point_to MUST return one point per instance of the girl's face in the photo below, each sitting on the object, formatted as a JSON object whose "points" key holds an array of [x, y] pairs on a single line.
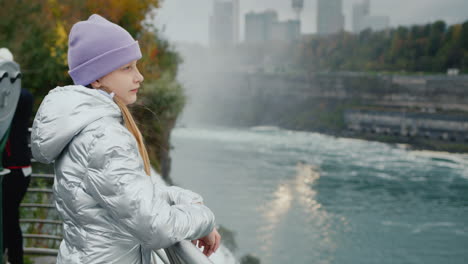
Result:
{"points": [[124, 82]]}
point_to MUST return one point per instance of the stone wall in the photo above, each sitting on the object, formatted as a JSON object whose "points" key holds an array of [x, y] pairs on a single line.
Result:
{"points": [[430, 126]]}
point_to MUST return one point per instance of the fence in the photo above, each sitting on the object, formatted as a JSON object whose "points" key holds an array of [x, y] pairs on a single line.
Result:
{"points": [[42, 227]]}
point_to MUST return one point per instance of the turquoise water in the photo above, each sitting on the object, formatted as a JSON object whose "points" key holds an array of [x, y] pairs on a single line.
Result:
{"points": [[300, 197]]}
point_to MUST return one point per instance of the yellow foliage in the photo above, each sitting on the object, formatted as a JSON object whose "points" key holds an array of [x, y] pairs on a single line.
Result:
{"points": [[62, 36], [63, 14], [59, 46], [457, 31], [127, 13]]}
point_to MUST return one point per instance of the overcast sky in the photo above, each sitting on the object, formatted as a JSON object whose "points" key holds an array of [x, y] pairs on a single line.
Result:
{"points": [[187, 20]]}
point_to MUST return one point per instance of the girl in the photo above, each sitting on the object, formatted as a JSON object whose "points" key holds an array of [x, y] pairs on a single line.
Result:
{"points": [[112, 208]]}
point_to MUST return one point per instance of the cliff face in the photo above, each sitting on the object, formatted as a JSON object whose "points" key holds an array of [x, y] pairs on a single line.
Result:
{"points": [[411, 109]]}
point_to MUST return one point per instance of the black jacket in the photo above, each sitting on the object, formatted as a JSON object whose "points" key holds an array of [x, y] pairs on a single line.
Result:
{"points": [[17, 153]]}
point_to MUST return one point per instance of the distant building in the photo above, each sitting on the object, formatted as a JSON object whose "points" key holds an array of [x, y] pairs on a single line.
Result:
{"points": [[264, 26], [363, 20], [224, 23], [286, 31], [258, 26], [330, 18]]}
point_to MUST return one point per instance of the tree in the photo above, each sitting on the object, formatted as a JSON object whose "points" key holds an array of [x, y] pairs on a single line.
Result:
{"points": [[431, 48], [464, 36], [37, 34]]}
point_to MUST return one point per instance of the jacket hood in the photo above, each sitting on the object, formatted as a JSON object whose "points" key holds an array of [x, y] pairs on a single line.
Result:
{"points": [[63, 113]]}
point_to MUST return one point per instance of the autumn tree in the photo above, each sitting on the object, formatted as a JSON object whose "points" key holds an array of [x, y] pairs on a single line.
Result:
{"points": [[37, 34]]}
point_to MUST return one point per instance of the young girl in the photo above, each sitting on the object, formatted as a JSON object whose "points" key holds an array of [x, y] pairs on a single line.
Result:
{"points": [[112, 208]]}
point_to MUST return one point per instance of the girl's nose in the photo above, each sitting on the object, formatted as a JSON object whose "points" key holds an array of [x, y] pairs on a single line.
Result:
{"points": [[139, 77]]}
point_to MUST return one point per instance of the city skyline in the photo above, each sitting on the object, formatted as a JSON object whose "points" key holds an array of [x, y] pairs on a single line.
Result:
{"points": [[193, 26], [264, 26]]}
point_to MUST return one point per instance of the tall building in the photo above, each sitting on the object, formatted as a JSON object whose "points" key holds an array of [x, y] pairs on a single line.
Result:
{"points": [[224, 23], [258, 26], [330, 18], [362, 19], [263, 27]]}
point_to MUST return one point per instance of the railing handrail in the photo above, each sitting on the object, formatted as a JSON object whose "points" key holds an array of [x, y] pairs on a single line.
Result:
{"points": [[39, 190], [43, 236], [180, 253], [42, 221], [188, 253], [51, 206], [43, 175], [41, 251]]}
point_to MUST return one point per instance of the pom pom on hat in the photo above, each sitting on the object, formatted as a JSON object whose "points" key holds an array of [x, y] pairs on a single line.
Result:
{"points": [[5, 54]]}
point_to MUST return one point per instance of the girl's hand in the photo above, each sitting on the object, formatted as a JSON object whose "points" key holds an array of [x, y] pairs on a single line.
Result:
{"points": [[210, 243]]}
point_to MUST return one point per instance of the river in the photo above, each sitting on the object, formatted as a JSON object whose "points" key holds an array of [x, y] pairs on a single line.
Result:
{"points": [[302, 197]]}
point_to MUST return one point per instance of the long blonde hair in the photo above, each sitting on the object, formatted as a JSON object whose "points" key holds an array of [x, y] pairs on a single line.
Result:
{"points": [[133, 128], [130, 124]]}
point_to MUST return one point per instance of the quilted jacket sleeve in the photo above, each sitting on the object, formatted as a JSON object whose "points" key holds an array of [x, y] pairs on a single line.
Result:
{"points": [[175, 195], [158, 216]]}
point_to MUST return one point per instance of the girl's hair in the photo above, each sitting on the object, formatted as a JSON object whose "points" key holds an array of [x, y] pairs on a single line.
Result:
{"points": [[133, 128]]}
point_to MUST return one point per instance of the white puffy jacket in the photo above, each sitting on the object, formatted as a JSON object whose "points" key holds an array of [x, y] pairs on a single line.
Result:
{"points": [[112, 211]]}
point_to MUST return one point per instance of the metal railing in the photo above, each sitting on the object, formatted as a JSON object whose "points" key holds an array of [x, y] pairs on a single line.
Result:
{"points": [[44, 238], [179, 253], [186, 252]]}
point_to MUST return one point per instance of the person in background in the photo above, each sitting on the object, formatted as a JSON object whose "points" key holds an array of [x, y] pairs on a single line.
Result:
{"points": [[16, 158]]}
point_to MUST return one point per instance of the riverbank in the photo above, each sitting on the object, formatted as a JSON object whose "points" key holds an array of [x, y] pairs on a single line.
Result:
{"points": [[412, 143]]}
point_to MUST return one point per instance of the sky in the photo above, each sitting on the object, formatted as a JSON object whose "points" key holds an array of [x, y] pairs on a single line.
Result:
{"points": [[187, 20]]}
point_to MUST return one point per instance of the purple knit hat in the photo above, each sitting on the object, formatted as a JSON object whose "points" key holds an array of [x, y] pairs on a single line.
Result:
{"points": [[97, 47]]}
